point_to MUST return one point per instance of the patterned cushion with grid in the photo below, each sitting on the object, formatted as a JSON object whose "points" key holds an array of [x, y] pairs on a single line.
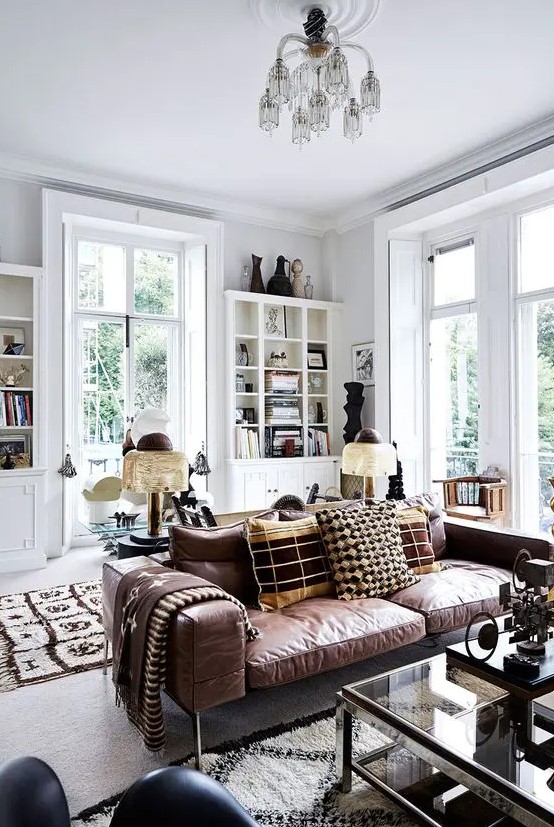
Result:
{"points": [[416, 540], [365, 550], [290, 563]]}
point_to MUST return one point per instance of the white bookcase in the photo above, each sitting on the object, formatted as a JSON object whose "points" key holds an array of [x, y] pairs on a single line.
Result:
{"points": [[272, 461], [21, 488]]}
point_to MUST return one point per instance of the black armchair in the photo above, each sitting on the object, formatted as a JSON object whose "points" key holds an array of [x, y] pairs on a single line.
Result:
{"points": [[31, 795]]}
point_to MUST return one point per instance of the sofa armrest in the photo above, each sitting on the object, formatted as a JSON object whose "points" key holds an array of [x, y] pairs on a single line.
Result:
{"points": [[163, 558], [205, 655], [468, 540]]}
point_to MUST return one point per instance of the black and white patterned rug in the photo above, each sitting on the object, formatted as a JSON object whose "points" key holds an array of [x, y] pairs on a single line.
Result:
{"points": [[286, 776], [48, 633]]}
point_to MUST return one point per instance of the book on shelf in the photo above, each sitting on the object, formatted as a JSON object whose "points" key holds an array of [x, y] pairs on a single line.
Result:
{"points": [[280, 411], [279, 382], [247, 443], [284, 441], [15, 409], [319, 444]]}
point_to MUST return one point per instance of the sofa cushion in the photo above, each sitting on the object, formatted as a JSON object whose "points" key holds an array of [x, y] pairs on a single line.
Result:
{"points": [[219, 555], [416, 540], [450, 598], [324, 633], [290, 563], [365, 550]]}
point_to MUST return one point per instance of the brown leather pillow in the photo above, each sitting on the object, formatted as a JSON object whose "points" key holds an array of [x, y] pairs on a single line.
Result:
{"points": [[219, 555]]}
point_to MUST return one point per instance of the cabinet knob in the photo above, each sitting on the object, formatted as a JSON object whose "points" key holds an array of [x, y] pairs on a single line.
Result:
{"points": [[307, 488], [269, 490], [275, 490]]}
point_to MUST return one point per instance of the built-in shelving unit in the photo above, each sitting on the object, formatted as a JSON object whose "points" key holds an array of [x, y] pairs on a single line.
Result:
{"points": [[22, 487], [279, 414]]}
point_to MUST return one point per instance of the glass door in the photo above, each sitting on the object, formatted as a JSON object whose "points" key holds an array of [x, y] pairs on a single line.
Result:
{"points": [[128, 348]]}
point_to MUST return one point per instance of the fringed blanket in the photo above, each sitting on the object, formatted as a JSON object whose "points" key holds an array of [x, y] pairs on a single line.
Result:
{"points": [[145, 602]]}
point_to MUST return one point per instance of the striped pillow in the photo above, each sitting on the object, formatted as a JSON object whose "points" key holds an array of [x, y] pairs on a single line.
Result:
{"points": [[416, 540], [290, 562]]}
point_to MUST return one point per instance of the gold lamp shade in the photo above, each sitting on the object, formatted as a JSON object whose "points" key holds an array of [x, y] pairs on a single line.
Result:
{"points": [[155, 473], [369, 457]]}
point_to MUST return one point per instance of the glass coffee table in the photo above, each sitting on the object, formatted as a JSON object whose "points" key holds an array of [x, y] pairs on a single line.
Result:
{"points": [[449, 747]]}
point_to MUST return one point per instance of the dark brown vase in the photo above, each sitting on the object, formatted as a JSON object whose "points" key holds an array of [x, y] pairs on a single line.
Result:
{"points": [[279, 284], [257, 284]]}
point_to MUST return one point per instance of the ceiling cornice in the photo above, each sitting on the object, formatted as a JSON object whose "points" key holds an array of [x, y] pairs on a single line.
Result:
{"points": [[530, 139], [221, 208], [175, 199]]}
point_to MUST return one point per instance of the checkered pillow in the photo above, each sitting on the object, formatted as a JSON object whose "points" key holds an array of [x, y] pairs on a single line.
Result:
{"points": [[290, 563], [365, 550], [416, 540]]}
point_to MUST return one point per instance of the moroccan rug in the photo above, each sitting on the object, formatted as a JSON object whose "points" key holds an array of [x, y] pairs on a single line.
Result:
{"points": [[286, 776], [48, 633]]}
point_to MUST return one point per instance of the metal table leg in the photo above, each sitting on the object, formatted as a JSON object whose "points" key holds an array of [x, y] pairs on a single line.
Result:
{"points": [[344, 746], [197, 740]]}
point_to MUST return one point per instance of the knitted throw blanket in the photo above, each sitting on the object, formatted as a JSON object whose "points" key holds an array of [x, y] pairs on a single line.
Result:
{"points": [[145, 602]]}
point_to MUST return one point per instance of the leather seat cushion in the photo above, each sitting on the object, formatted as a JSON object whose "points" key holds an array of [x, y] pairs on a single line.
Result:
{"points": [[323, 633], [448, 599]]}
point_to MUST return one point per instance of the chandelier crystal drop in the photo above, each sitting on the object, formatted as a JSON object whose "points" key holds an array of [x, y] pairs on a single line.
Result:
{"points": [[313, 77], [268, 113]]}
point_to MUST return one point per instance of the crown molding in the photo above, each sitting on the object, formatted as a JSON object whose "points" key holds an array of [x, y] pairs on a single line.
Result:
{"points": [[143, 193], [530, 139]]}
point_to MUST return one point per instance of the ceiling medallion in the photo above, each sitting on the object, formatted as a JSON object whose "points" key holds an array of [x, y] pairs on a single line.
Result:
{"points": [[349, 16], [319, 82]]}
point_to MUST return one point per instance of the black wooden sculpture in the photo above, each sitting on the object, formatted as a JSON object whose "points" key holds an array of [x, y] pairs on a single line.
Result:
{"points": [[353, 408], [396, 482]]}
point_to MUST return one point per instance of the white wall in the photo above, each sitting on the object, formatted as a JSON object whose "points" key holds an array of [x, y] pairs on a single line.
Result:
{"points": [[353, 285], [20, 222]]}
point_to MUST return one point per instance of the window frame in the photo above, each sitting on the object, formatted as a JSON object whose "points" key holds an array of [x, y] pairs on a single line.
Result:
{"points": [[176, 339], [519, 299], [432, 312]]}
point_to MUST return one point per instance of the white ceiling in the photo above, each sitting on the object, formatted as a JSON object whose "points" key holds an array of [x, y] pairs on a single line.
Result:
{"points": [[166, 91]]}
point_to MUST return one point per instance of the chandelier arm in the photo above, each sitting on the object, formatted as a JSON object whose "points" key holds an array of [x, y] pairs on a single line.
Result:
{"points": [[362, 50], [284, 40], [333, 31]]}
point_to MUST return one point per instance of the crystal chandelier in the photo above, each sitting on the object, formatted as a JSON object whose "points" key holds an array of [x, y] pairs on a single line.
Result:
{"points": [[317, 84]]}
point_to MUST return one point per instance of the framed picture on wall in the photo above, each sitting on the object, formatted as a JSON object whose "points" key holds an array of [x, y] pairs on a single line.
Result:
{"points": [[363, 363]]}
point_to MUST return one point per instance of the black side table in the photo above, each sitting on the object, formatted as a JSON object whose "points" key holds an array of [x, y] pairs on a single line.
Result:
{"points": [[140, 543]]}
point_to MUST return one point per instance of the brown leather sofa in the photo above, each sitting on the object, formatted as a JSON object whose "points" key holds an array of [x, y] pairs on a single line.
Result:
{"points": [[210, 662]]}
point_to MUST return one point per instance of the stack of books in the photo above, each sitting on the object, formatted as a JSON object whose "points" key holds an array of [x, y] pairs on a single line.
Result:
{"points": [[15, 409], [284, 441], [280, 410], [280, 381], [247, 443], [318, 443]]}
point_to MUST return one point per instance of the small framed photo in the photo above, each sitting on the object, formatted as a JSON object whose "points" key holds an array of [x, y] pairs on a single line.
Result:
{"points": [[363, 363], [12, 341], [244, 416], [15, 445], [275, 320], [317, 359]]}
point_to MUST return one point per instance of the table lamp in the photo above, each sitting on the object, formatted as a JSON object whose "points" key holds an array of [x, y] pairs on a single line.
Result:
{"points": [[154, 472], [369, 457]]}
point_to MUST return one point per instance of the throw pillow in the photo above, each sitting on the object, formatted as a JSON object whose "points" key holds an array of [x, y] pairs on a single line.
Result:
{"points": [[290, 563], [416, 540], [219, 555], [432, 503], [365, 550]]}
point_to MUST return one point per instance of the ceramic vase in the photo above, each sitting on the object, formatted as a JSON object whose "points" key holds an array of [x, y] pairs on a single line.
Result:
{"points": [[279, 284], [297, 280], [257, 284]]}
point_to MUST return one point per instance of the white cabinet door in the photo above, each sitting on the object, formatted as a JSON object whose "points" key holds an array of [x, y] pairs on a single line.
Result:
{"points": [[290, 480], [324, 473], [259, 489]]}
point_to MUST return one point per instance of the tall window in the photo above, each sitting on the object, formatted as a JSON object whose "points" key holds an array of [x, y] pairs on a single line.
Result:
{"points": [[128, 309], [453, 362], [535, 384]]}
